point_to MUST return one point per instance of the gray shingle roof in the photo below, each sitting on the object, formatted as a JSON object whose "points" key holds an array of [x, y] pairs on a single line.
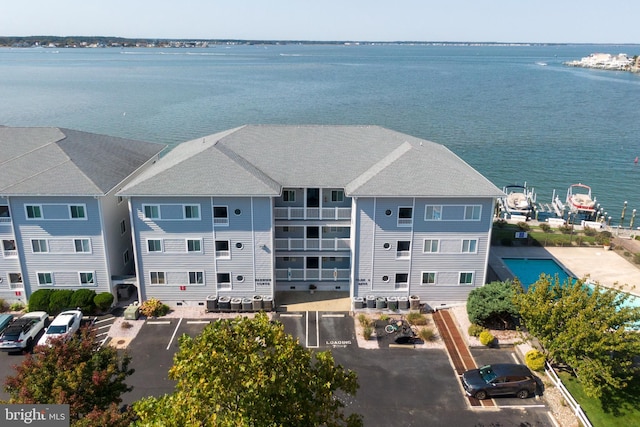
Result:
{"points": [[261, 159], [54, 161]]}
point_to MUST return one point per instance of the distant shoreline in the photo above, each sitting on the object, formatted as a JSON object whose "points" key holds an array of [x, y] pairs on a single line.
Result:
{"points": [[107, 41]]}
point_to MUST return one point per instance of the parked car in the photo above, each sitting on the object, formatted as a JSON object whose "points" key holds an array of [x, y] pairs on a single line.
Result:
{"points": [[499, 379], [5, 320], [64, 325], [23, 332]]}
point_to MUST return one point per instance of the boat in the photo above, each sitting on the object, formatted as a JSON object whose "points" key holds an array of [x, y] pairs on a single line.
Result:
{"points": [[542, 64], [579, 199], [518, 200]]}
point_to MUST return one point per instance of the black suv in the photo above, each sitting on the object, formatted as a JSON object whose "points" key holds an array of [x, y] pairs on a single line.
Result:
{"points": [[499, 379]]}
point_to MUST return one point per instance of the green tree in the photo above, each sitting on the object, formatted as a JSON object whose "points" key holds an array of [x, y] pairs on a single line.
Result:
{"points": [[589, 329], [493, 303], [77, 372], [249, 372]]}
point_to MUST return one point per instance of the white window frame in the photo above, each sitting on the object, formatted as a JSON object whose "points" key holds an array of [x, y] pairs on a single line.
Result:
{"points": [[32, 218], [220, 220], [401, 254], [405, 222], [152, 207], [469, 246], [87, 283], [149, 251], [472, 212], [436, 212], [223, 285], [401, 285], [44, 273], [15, 285], [337, 195], [161, 278], [221, 254], [289, 196], [461, 283], [82, 240], [428, 283], [41, 249], [431, 251], [198, 278], [190, 207], [199, 251], [81, 206]]}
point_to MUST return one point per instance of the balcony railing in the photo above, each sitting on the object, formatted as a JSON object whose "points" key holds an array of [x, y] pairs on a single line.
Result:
{"points": [[5, 220], [10, 254], [334, 213], [293, 244], [326, 274], [16, 285]]}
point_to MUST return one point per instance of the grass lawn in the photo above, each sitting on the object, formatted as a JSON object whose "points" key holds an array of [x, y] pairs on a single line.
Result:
{"points": [[625, 410]]}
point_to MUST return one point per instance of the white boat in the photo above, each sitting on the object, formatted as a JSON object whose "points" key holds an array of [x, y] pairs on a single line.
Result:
{"points": [[518, 200], [579, 199]]}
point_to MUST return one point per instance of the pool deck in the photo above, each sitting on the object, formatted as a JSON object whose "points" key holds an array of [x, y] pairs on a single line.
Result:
{"points": [[605, 267]]}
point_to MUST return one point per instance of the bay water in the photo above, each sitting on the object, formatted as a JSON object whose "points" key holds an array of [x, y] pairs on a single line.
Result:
{"points": [[515, 113]]}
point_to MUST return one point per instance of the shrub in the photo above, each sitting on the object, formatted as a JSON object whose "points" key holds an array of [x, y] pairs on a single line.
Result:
{"points": [[603, 236], [500, 223], [416, 318], [475, 330], [84, 300], [39, 300], [16, 306], [367, 331], [3, 305], [545, 227], [588, 231], [59, 300], [103, 300], [535, 360], [426, 334], [153, 308], [566, 229], [384, 317], [523, 226], [636, 258], [364, 320], [486, 338]]}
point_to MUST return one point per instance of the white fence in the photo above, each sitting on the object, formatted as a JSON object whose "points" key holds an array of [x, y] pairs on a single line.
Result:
{"points": [[575, 406]]}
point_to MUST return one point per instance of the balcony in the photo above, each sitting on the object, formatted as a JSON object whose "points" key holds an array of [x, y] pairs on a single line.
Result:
{"points": [[312, 213], [293, 244], [325, 274]]}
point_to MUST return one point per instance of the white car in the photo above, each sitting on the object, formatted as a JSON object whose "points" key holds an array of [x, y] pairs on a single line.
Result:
{"points": [[64, 325], [21, 334]]}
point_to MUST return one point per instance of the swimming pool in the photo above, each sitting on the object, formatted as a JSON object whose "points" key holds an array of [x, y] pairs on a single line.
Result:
{"points": [[528, 270]]}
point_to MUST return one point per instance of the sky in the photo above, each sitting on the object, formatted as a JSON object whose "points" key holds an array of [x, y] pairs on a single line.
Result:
{"points": [[538, 21]]}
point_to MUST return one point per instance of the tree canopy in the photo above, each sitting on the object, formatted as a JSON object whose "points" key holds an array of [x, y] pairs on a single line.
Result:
{"points": [[77, 372], [249, 372], [589, 328], [493, 303]]}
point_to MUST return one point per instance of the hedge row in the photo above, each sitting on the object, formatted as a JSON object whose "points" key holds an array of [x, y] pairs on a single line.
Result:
{"points": [[53, 301]]}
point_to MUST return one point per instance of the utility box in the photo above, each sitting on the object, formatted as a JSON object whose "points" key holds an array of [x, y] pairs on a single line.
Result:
{"points": [[132, 312]]}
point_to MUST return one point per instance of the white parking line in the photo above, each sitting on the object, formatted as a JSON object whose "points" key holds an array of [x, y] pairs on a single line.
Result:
{"points": [[197, 322], [159, 322], [174, 333], [317, 332], [108, 319], [291, 315], [333, 315], [103, 327]]}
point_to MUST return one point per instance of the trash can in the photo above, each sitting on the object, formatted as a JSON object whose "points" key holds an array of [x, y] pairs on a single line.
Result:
{"points": [[132, 312], [212, 302], [256, 303], [403, 303], [247, 304], [371, 301], [358, 303], [236, 304], [224, 303], [267, 302], [381, 302], [414, 302], [392, 303]]}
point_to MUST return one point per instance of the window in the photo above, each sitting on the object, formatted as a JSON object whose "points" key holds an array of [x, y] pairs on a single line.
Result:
{"points": [[39, 245], [82, 245], [289, 195], [15, 280], [220, 215], [433, 213], [77, 212], [9, 245], [239, 278], [466, 278], [469, 246], [402, 280], [472, 213], [154, 245], [123, 227], [223, 279], [157, 278], [120, 199], [194, 245], [191, 212], [431, 245], [237, 211], [126, 257], [34, 211], [4, 211], [403, 249], [337, 195], [405, 217], [86, 278], [196, 277], [222, 249], [151, 211], [428, 278], [44, 279], [385, 278]]}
